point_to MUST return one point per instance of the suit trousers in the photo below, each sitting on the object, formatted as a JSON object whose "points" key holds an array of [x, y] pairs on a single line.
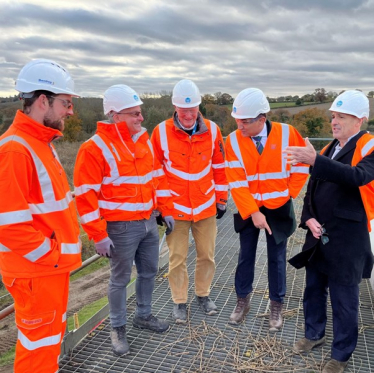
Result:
{"points": [[204, 232], [245, 270], [344, 303], [40, 305], [133, 240]]}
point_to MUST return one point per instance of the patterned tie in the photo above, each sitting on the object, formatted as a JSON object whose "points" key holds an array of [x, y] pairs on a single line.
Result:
{"points": [[259, 145]]}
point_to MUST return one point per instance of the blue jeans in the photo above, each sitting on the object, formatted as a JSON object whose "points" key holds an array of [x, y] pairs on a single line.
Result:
{"points": [[133, 240], [344, 304], [245, 270]]}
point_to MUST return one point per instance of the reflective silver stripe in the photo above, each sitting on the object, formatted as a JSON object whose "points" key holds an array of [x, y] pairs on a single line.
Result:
{"points": [[36, 254], [267, 196], [186, 210], [126, 206], [188, 176], [64, 317], [300, 170], [115, 152], [45, 182], [233, 164], [43, 342], [213, 130], [197, 210], [51, 206], [365, 150], [238, 184], [204, 206], [91, 216], [236, 149], [108, 155], [70, 248], [158, 172], [14, 217], [163, 193], [218, 165], [3, 248], [151, 147], [174, 193], [268, 176], [128, 179], [86, 188], [221, 188], [285, 142], [210, 189], [164, 141]]}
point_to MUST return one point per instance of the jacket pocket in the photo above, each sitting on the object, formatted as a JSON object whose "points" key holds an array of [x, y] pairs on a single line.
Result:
{"points": [[348, 214], [206, 187], [116, 227], [30, 321]]}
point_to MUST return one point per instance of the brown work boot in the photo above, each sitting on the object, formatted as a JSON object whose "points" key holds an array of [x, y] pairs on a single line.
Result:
{"points": [[241, 309], [306, 345], [275, 318], [334, 366]]}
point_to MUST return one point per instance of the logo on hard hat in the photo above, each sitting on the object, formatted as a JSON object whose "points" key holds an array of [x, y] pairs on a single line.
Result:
{"points": [[136, 98], [46, 81], [234, 109], [339, 103], [187, 100]]}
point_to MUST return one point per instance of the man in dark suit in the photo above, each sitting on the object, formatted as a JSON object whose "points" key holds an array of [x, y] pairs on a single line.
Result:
{"points": [[338, 207], [262, 186]]}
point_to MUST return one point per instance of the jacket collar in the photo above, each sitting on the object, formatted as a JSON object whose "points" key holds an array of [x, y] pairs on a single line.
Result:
{"points": [[33, 128], [348, 147], [109, 129], [200, 122]]}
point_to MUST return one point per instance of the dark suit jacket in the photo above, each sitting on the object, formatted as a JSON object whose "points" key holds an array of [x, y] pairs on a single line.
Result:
{"points": [[333, 199]]}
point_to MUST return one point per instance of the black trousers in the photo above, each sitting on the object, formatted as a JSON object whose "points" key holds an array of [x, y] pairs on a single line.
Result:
{"points": [[344, 303], [245, 270]]}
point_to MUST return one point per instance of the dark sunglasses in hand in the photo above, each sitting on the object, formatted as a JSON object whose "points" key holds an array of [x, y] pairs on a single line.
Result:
{"points": [[324, 236]]}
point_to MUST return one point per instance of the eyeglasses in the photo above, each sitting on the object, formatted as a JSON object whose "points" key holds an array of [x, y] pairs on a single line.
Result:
{"points": [[324, 236], [135, 114], [65, 103], [248, 121]]}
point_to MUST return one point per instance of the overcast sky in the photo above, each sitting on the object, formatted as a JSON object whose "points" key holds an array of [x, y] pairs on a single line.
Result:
{"points": [[150, 45]]}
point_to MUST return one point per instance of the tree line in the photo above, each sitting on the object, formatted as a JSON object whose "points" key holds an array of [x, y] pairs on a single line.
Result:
{"points": [[311, 122]]}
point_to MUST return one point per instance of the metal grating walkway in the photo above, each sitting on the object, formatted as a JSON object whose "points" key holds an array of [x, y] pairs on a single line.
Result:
{"points": [[208, 343]]}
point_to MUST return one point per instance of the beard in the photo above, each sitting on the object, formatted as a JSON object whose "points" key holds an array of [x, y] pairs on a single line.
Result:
{"points": [[54, 123]]}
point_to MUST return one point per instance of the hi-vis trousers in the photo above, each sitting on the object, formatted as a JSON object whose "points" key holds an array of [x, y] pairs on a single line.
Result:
{"points": [[204, 232], [40, 304]]}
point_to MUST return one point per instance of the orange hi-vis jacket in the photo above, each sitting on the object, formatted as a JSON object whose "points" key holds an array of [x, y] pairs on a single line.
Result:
{"points": [[364, 147], [263, 180], [39, 231], [194, 166], [118, 179]]}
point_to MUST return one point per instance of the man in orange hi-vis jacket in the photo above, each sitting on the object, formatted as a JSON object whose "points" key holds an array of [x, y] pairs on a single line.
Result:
{"points": [[118, 184], [39, 232], [262, 186], [192, 152]]}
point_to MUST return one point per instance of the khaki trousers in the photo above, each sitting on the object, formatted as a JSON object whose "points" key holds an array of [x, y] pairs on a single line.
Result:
{"points": [[204, 232]]}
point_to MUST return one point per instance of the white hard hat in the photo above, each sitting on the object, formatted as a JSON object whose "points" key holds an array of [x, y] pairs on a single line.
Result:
{"points": [[119, 97], [44, 75], [249, 104], [353, 103], [186, 94]]}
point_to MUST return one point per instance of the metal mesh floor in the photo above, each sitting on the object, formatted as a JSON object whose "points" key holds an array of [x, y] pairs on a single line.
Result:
{"points": [[208, 343]]}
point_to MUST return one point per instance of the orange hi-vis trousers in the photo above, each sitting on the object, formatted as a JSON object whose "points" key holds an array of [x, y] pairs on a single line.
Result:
{"points": [[40, 305]]}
